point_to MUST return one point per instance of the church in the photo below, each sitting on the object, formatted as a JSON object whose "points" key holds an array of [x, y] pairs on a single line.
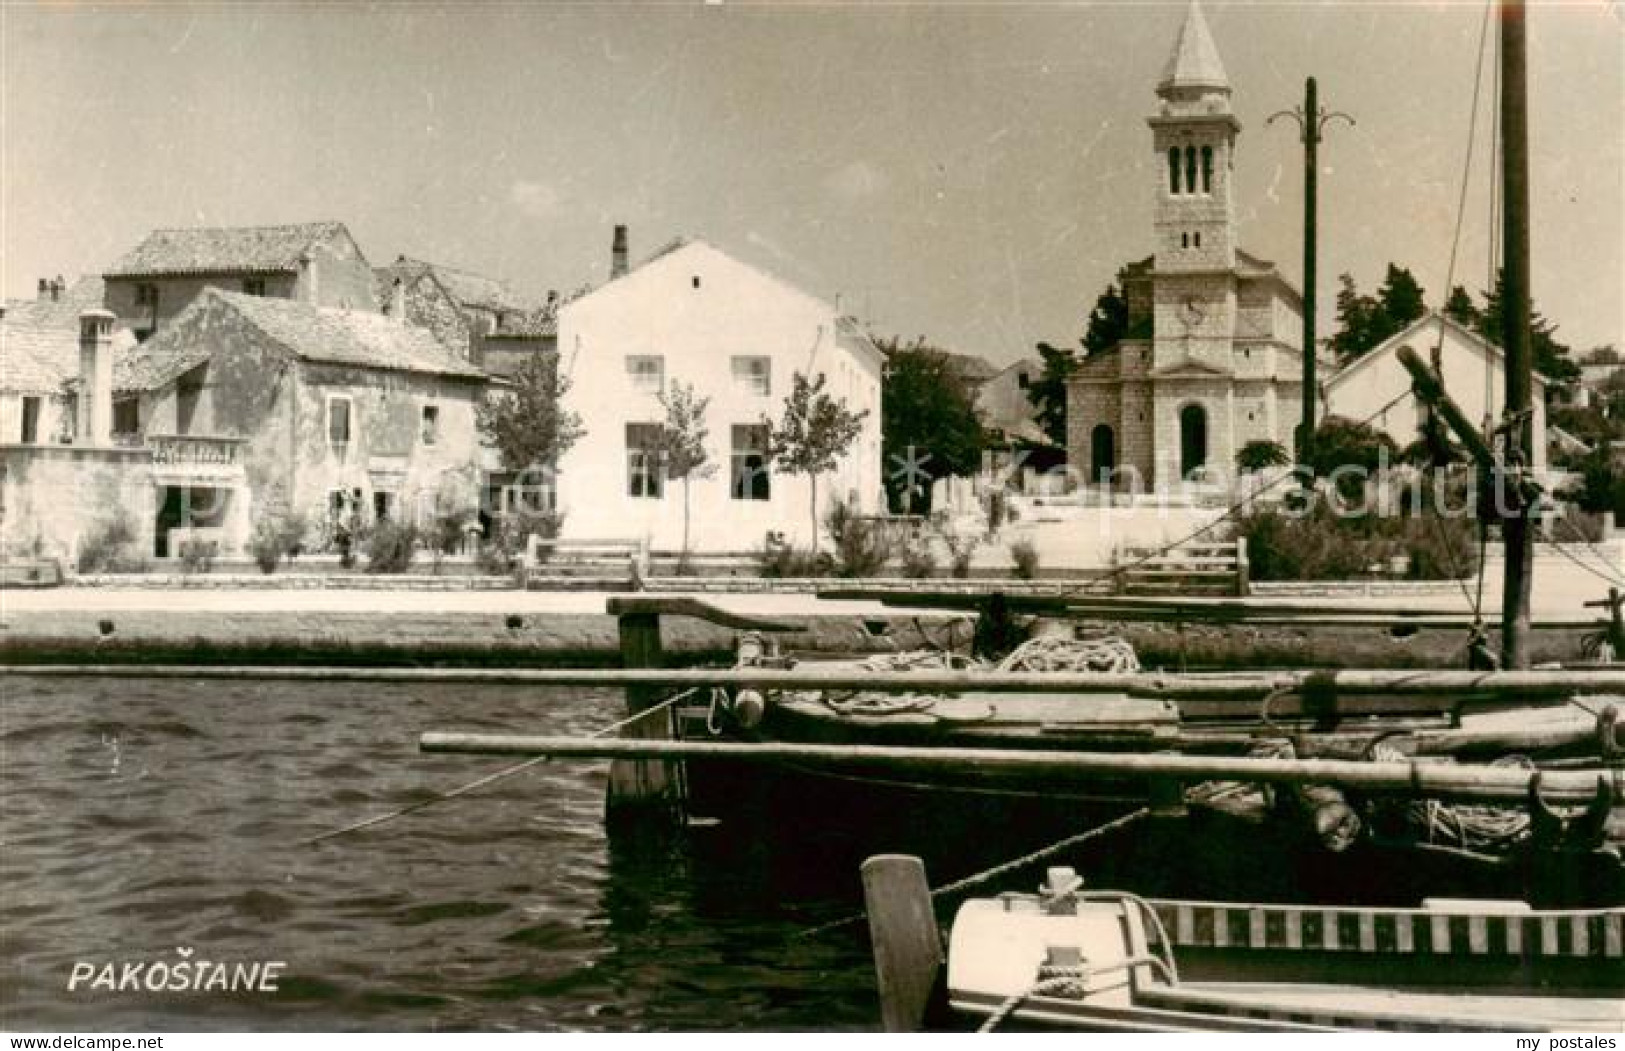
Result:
{"points": [[1211, 360]]}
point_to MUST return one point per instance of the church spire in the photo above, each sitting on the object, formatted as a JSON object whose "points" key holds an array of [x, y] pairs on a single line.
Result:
{"points": [[1194, 64]]}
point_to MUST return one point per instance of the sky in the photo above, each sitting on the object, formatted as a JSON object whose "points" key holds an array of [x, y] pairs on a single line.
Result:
{"points": [[970, 173]]}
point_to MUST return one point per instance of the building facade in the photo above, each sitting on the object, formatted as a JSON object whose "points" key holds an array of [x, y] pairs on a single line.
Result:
{"points": [[315, 263], [1211, 361], [1472, 368], [696, 315], [344, 417]]}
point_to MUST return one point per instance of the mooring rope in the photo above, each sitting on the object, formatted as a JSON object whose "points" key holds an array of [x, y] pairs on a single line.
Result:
{"points": [[491, 778], [998, 870]]}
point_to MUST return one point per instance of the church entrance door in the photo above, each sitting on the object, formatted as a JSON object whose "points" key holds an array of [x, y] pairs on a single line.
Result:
{"points": [[1102, 454], [1192, 439]]}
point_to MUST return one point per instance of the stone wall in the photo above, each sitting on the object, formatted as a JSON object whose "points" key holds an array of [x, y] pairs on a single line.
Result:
{"points": [[52, 497]]}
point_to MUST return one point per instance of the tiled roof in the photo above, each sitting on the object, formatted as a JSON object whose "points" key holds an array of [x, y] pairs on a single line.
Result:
{"points": [[539, 323], [468, 289], [39, 358], [84, 294], [321, 334], [224, 250]]}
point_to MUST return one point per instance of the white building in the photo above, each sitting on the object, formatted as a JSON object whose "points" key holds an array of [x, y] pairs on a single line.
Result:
{"points": [[1473, 370], [695, 314]]}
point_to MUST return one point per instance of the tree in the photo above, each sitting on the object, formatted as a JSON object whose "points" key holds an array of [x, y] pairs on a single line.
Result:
{"points": [[529, 424], [929, 428], [1365, 321], [682, 445], [1047, 391], [814, 433], [1108, 322], [1461, 309], [1549, 357]]}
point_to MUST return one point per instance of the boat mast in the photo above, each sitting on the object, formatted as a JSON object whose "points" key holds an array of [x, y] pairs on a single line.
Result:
{"points": [[1518, 432]]}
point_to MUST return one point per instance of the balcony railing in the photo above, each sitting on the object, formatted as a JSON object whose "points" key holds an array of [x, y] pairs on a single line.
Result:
{"points": [[196, 449]]}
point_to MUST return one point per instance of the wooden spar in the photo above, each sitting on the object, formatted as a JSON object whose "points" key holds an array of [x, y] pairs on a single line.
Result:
{"points": [[1504, 685], [1219, 611], [1430, 388], [1434, 779]]}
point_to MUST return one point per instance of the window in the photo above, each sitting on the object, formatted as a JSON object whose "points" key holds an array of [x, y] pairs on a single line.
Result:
{"points": [[1173, 169], [338, 420], [643, 474], [647, 372], [695, 281], [127, 416], [753, 375], [1184, 240], [430, 432], [1207, 169], [1022, 380], [1196, 239], [31, 420], [748, 466], [253, 286], [383, 504], [1190, 169], [146, 295]]}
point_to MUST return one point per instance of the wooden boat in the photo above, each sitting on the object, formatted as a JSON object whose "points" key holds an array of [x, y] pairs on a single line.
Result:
{"points": [[1068, 958]]}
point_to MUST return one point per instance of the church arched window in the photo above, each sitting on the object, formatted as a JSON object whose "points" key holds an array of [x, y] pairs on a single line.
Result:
{"points": [[1173, 169], [1207, 169], [1190, 169]]}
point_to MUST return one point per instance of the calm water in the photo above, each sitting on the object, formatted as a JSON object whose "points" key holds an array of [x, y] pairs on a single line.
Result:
{"points": [[137, 817]]}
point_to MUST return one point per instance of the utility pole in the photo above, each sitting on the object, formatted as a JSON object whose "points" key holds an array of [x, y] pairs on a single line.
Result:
{"points": [[1311, 120], [1517, 426]]}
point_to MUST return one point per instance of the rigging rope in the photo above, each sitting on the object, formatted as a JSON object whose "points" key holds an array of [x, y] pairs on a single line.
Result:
{"points": [[491, 778]]}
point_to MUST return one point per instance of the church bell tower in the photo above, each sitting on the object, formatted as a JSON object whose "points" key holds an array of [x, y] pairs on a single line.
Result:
{"points": [[1194, 136]]}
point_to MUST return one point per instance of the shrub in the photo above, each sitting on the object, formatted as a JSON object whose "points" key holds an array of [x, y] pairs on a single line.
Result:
{"points": [[918, 561], [862, 545], [107, 548], [1025, 555], [1261, 455], [278, 534], [960, 549], [197, 556], [390, 547], [1322, 546], [781, 561]]}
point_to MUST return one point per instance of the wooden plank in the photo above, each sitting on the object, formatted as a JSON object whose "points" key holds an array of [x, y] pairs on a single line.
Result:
{"points": [[1441, 780], [1447, 686], [639, 788], [906, 943]]}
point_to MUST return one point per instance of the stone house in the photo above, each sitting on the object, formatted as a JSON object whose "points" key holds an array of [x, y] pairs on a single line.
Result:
{"points": [[1006, 411], [1473, 370], [315, 263], [478, 318], [1212, 359], [695, 314], [342, 416], [62, 475]]}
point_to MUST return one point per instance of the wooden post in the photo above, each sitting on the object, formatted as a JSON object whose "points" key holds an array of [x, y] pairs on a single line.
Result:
{"points": [[903, 932], [1243, 570], [640, 789]]}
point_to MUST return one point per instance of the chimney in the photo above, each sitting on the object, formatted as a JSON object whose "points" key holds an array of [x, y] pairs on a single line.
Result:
{"points": [[96, 376], [397, 300], [307, 280], [44, 289], [57, 288], [617, 254]]}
